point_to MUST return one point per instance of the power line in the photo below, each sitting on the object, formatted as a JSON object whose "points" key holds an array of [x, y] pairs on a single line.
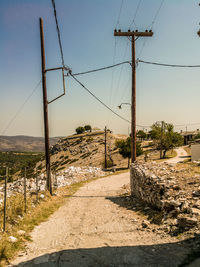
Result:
{"points": [[120, 74], [20, 109], [120, 10], [156, 14], [104, 68], [168, 65], [136, 11], [188, 124], [58, 32], [100, 101], [111, 82]]}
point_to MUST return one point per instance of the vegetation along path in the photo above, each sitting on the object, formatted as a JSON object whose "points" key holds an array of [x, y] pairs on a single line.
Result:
{"points": [[93, 228]]}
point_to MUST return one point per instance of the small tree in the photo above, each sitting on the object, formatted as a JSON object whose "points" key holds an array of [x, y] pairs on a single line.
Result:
{"points": [[125, 148], [88, 128], [165, 138], [80, 130]]}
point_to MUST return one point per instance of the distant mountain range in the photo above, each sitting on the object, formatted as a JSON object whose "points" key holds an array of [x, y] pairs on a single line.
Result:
{"points": [[24, 143]]}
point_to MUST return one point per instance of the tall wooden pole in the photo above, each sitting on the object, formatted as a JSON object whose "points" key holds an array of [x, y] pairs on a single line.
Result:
{"points": [[25, 203], [105, 147], [45, 107], [5, 198], [133, 34], [161, 139], [133, 104]]}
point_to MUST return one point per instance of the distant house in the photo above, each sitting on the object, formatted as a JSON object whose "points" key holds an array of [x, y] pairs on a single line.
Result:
{"points": [[189, 136]]}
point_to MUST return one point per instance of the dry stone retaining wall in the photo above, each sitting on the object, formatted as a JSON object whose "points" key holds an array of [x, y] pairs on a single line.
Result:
{"points": [[155, 185], [147, 186]]}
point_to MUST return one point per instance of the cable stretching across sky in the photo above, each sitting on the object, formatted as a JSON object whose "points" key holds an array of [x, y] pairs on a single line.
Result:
{"points": [[168, 65], [20, 108]]}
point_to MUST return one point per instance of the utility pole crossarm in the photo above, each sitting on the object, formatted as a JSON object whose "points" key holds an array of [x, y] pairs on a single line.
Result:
{"points": [[134, 33]]}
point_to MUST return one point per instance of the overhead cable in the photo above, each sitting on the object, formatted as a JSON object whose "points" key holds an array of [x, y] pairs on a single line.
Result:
{"points": [[100, 101], [120, 10], [168, 65], [136, 11], [104, 68], [156, 14], [20, 109], [59, 37]]}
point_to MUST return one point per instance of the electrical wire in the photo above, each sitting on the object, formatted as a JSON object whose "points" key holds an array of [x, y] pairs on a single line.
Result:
{"points": [[188, 124], [156, 14], [168, 65], [104, 68], [120, 74], [20, 109], [120, 10], [59, 37], [100, 101], [111, 83], [136, 11]]}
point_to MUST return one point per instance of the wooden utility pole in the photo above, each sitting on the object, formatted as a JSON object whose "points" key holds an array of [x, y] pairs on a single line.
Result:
{"points": [[25, 204], [45, 107], [161, 139], [105, 147], [37, 189], [5, 197], [133, 34]]}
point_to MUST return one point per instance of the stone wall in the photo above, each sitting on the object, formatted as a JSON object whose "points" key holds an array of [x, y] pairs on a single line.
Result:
{"points": [[147, 186], [158, 187]]}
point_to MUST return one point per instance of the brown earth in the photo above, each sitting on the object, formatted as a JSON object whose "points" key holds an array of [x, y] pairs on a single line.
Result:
{"points": [[93, 228], [86, 149]]}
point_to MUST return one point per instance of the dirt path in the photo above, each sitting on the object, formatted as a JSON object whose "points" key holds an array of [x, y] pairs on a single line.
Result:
{"points": [[92, 230], [181, 156]]}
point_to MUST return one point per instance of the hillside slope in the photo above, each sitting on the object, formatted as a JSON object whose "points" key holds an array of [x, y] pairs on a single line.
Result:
{"points": [[24, 143], [86, 150]]}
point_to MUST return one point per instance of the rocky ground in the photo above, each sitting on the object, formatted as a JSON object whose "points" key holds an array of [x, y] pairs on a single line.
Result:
{"points": [[99, 227], [86, 150], [174, 200], [62, 178]]}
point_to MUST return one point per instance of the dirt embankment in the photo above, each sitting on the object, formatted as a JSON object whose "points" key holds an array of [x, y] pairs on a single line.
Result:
{"points": [[86, 150]]}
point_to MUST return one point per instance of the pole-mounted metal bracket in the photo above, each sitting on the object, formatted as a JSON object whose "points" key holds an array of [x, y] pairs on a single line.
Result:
{"points": [[63, 78]]}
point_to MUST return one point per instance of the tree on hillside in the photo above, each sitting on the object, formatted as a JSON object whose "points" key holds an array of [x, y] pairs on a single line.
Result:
{"points": [[88, 128], [141, 134], [165, 137], [125, 148], [80, 130]]}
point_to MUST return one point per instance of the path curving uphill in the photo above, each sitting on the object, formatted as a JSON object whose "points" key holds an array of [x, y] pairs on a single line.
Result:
{"points": [[180, 157]]}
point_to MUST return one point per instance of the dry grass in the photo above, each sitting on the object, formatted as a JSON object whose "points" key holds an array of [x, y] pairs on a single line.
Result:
{"points": [[156, 155], [17, 219]]}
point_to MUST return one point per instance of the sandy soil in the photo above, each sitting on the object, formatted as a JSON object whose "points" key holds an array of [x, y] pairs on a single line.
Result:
{"points": [[181, 156], [91, 229]]}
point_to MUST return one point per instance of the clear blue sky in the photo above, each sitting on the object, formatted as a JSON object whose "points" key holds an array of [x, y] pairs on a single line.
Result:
{"points": [[168, 94]]}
